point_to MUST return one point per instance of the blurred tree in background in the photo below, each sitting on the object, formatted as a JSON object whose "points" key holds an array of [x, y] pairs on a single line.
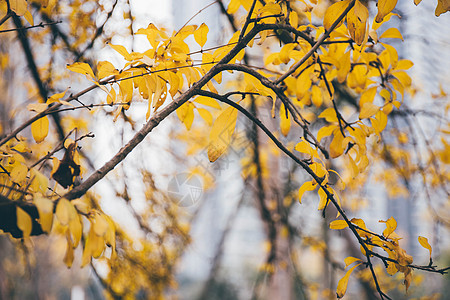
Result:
{"points": [[301, 101]]}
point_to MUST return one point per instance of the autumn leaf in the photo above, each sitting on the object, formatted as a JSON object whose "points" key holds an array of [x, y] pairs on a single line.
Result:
{"points": [[100, 224], [392, 33], [67, 168], [200, 34], [338, 224], [367, 110], [221, 133], [82, 68], [424, 243], [207, 101], [391, 225], [75, 229], [122, 51], [384, 8], [39, 129], [442, 7], [333, 12], [206, 115], [24, 222], [18, 6], [356, 22], [285, 121], [343, 282], [349, 260], [45, 209], [19, 173], [307, 186], [69, 256]]}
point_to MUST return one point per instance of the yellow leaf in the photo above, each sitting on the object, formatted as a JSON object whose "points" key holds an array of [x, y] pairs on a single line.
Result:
{"points": [[37, 107], [356, 22], [323, 199], [404, 64], [189, 118], [93, 247], [65, 211], [110, 236], [293, 19], [200, 34], [305, 147], [19, 173], [112, 96], [303, 83], [206, 115], [329, 114], [337, 147], [368, 95], [89, 247], [285, 121], [316, 96], [57, 97], [325, 131], [76, 229], [69, 256], [349, 260], [97, 245], [416, 2], [403, 77], [122, 51], [384, 8], [207, 101], [174, 82], [424, 243], [221, 132], [344, 67], [391, 225], [359, 223], [39, 129], [271, 9], [368, 109], [333, 12], [338, 224], [100, 225], [233, 6], [40, 182], [392, 33], [307, 186], [442, 7], [105, 69], [29, 17], [45, 209], [285, 51], [393, 54], [82, 68], [379, 122], [18, 6], [343, 282], [186, 114], [24, 222], [391, 269]]}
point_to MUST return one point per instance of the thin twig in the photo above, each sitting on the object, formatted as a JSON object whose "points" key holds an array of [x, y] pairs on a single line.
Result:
{"points": [[247, 20], [41, 25]]}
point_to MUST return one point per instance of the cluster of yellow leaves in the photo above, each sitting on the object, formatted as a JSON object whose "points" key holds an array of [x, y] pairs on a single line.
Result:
{"points": [[389, 242], [66, 220], [54, 215]]}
